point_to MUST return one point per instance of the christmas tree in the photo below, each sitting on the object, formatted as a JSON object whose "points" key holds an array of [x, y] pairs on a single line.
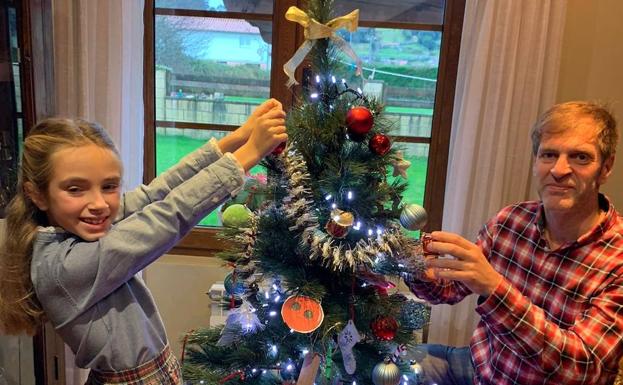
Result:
{"points": [[309, 297]]}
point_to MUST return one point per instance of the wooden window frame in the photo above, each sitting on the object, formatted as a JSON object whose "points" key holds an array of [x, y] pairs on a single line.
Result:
{"points": [[203, 241]]}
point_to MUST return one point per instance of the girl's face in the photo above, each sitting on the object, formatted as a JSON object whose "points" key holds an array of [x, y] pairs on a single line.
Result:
{"points": [[84, 191]]}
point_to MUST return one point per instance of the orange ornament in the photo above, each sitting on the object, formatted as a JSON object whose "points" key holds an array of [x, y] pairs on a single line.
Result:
{"points": [[302, 314]]}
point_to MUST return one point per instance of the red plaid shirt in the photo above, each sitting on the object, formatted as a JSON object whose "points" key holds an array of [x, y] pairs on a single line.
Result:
{"points": [[557, 317]]}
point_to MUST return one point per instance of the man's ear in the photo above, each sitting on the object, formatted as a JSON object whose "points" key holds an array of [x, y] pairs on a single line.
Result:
{"points": [[35, 196], [606, 170]]}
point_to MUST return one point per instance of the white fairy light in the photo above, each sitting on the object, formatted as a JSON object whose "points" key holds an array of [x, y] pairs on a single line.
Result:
{"points": [[333, 79], [349, 195], [272, 313], [314, 95], [305, 351], [329, 196], [370, 232], [333, 205], [343, 81], [277, 298], [359, 90], [317, 78]]}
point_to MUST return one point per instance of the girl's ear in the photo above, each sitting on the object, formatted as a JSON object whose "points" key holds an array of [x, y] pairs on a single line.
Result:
{"points": [[35, 196]]}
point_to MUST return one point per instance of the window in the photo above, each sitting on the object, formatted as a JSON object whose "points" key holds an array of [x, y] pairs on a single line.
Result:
{"points": [[208, 63]]}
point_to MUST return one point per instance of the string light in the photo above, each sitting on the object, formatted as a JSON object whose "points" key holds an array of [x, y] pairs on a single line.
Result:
{"points": [[328, 197], [317, 79], [349, 195], [272, 313]]}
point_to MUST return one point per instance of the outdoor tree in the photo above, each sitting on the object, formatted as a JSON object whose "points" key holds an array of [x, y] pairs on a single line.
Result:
{"points": [[311, 297]]}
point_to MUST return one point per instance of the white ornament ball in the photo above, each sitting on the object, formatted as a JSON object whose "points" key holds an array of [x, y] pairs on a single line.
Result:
{"points": [[413, 217]]}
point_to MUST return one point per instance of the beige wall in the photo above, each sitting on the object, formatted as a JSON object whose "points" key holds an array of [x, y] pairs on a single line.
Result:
{"points": [[179, 285], [592, 66]]}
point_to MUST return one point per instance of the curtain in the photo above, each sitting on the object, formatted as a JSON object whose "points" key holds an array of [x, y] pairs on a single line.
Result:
{"points": [[98, 70], [508, 70], [98, 64]]}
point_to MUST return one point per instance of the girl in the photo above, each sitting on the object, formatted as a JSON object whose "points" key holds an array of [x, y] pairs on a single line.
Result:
{"points": [[74, 243]]}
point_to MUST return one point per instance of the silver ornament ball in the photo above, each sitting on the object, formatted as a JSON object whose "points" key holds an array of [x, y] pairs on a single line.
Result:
{"points": [[413, 217]]}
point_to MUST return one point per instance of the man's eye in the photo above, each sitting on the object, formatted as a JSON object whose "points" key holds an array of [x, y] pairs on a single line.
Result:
{"points": [[547, 155]]}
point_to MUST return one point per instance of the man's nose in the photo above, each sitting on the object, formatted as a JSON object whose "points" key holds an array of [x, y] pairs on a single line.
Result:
{"points": [[561, 167]]}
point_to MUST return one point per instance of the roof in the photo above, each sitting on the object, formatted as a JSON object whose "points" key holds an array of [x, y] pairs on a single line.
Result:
{"points": [[213, 24]]}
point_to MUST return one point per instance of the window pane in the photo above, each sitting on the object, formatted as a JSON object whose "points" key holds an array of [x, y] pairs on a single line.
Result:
{"points": [[211, 70], [417, 154], [400, 69], [408, 11], [246, 6], [173, 143]]}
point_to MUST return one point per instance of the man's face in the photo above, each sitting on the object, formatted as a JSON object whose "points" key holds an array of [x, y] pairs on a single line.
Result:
{"points": [[569, 168], [84, 192]]}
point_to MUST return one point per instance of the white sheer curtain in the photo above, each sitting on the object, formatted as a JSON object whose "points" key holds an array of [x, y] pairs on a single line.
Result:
{"points": [[98, 69], [98, 63], [508, 71]]}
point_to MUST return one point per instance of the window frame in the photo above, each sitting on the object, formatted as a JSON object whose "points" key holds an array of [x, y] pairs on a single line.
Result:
{"points": [[203, 241]]}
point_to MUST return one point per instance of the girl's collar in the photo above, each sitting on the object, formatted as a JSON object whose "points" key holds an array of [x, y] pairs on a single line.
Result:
{"points": [[51, 229]]}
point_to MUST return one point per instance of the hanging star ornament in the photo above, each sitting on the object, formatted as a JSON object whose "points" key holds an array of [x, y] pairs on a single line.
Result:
{"points": [[400, 165]]}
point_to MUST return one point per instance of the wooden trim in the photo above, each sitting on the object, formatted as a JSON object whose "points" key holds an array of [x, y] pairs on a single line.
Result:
{"points": [[215, 14], [442, 119], [399, 25], [149, 95], [201, 241], [195, 126], [285, 43]]}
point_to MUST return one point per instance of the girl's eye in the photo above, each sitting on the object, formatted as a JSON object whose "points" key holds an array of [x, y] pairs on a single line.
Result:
{"points": [[74, 189], [111, 187]]}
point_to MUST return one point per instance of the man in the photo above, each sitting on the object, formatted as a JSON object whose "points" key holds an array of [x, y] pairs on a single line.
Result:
{"points": [[549, 273]]}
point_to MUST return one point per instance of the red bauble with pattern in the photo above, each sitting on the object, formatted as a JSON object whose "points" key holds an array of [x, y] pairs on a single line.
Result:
{"points": [[359, 121], [279, 149], [380, 144], [384, 327]]}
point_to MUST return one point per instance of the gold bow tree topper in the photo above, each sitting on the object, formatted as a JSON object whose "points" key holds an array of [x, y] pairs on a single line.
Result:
{"points": [[314, 30]]}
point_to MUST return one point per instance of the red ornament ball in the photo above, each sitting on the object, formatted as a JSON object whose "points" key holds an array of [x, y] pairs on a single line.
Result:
{"points": [[359, 121], [384, 327], [380, 144], [279, 149]]}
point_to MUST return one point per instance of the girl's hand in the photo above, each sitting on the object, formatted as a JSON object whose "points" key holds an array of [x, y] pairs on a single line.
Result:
{"points": [[244, 131], [234, 140], [268, 132]]}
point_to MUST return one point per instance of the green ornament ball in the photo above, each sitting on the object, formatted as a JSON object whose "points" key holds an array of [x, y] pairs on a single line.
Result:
{"points": [[237, 216], [386, 373]]}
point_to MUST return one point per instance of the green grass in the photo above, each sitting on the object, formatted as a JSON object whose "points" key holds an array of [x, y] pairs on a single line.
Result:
{"points": [[170, 149]]}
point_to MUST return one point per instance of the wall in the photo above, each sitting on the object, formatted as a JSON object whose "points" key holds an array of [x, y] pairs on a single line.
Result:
{"points": [[592, 58], [179, 284]]}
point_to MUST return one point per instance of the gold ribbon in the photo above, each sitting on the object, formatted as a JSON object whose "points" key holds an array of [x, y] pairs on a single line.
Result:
{"points": [[314, 30]]}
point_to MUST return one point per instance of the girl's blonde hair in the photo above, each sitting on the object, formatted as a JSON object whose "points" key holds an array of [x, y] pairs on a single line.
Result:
{"points": [[20, 310]]}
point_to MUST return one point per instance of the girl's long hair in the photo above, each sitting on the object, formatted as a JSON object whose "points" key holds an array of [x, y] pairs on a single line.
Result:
{"points": [[20, 310]]}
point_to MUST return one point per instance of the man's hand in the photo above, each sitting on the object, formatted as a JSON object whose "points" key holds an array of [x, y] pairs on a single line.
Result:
{"points": [[470, 266]]}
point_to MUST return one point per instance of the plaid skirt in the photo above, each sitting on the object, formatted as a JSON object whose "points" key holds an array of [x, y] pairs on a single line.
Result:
{"points": [[162, 370]]}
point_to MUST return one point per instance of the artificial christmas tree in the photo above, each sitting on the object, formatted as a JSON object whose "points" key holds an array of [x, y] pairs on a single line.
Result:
{"points": [[308, 299]]}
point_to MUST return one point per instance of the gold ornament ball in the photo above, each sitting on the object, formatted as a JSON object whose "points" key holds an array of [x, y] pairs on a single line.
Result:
{"points": [[386, 373], [413, 217]]}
